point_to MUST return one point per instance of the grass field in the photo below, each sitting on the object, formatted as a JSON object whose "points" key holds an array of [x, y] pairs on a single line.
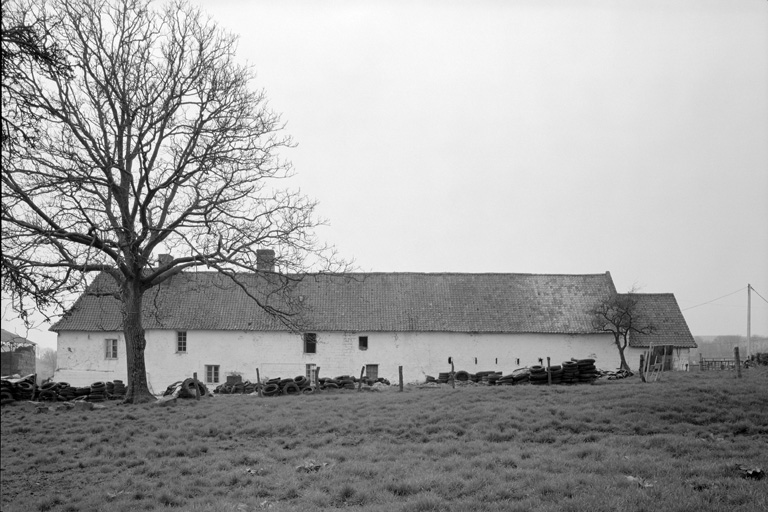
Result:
{"points": [[511, 448]]}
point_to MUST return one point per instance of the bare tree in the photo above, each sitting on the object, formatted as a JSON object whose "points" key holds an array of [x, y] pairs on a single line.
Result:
{"points": [[24, 43], [619, 315], [156, 144]]}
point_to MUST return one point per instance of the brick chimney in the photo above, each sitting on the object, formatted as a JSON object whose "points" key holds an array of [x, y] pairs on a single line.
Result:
{"points": [[164, 259], [265, 260]]}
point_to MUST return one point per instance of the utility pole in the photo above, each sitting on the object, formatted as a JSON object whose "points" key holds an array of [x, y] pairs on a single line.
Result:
{"points": [[749, 320]]}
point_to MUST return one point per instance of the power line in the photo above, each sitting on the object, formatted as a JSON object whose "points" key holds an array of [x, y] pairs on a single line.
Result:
{"points": [[713, 300], [758, 294]]}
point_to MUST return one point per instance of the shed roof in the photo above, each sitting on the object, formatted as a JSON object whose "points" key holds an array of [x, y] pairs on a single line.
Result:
{"points": [[9, 338], [662, 311], [399, 302]]}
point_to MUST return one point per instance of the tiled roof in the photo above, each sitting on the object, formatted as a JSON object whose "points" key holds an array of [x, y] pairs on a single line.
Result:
{"points": [[661, 311], [400, 302]]}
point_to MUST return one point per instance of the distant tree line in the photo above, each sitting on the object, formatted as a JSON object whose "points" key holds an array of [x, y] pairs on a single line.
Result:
{"points": [[722, 346]]}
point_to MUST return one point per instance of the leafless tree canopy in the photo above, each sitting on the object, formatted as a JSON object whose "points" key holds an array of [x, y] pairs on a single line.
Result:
{"points": [[619, 315], [156, 142]]}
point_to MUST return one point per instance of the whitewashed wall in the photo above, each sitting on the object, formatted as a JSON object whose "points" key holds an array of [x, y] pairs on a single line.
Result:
{"points": [[81, 355]]}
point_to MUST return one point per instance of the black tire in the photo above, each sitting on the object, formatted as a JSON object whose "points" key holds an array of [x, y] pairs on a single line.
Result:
{"points": [[301, 381], [330, 385], [271, 390], [291, 388]]}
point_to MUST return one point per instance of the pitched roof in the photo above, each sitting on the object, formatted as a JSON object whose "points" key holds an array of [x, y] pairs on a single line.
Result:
{"points": [[400, 302], [9, 338], [661, 311]]}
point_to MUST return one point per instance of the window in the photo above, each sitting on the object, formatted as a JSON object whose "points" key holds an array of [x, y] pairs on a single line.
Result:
{"points": [[212, 373], [372, 371], [362, 342], [310, 343], [111, 348], [181, 341]]}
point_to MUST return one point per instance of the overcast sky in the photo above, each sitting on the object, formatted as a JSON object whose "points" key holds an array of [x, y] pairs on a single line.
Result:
{"points": [[562, 136]]}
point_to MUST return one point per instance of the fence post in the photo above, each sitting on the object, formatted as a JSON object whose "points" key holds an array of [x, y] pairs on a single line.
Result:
{"points": [[549, 374], [360, 382], [453, 376], [400, 371], [317, 379], [197, 386], [258, 383], [642, 367], [738, 362]]}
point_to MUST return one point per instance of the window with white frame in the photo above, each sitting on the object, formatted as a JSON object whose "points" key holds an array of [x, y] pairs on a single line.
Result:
{"points": [[181, 341], [110, 345], [362, 342], [311, 372], [212, 373]]}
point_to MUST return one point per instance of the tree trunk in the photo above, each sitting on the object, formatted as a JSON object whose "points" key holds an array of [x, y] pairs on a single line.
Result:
{"points": [[133, 329], [624, 365]]}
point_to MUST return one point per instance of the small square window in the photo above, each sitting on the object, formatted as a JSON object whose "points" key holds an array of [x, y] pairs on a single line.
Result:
{"points": [[181, 341], [310, 343], [111, 348], [212, 373], [362, 342]]}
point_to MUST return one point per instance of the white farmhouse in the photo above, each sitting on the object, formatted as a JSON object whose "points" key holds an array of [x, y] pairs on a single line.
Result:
{"points": [[203, 322]]}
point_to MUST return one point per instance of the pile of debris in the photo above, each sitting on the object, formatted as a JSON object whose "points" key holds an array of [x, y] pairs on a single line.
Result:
{"points": [[24, 389], [186, 389], [574, 371]]}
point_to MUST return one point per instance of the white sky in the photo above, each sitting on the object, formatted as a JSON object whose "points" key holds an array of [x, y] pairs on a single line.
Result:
{"points": [[536, 136]]}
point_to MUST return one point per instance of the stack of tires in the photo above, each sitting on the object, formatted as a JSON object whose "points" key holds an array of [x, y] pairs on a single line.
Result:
{"points": [[443, 377], [82, 392], [556, 371], [329, 384], [493, 378], [98, 392], [24, 390], [538, 375], [289, 387], [48, 392], [65, 391], [304, 384], [271, 387], [6, 391], [587, 370], [119, 389], [570, 372], [506, 380], [346, 381]]}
